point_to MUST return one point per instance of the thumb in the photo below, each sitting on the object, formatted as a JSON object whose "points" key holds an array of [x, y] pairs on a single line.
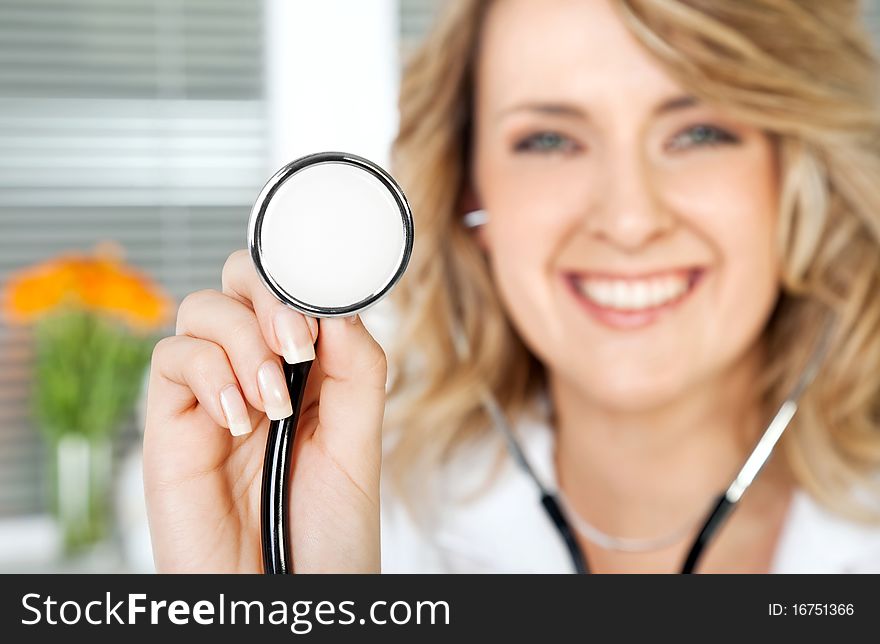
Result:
{"points": [[352, 395]]}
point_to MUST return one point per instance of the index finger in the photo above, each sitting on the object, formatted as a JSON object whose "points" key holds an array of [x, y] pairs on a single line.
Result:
{"points": [[288, 333]]}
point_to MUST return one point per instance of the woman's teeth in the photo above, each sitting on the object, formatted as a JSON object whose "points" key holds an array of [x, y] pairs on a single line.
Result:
{"points": [[634, 294]]}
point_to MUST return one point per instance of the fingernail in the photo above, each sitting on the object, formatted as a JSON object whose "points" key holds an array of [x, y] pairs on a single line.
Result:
{"points": [[273, 390], [235, 411], [352, 319], [293, 336]]}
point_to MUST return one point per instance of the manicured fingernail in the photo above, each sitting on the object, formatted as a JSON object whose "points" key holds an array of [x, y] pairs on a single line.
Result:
{"points": [[273, 390], [235, 411], [352, 319], [294, 337]]}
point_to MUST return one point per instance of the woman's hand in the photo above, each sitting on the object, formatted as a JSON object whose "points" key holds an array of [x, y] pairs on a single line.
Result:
{"points": [[211, 386]]}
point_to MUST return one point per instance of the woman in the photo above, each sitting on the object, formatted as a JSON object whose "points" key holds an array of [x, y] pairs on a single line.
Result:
{"points": [[675, 200]]}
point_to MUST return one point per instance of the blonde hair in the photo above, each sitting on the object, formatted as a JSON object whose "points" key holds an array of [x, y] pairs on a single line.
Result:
{"points": [[803, 71]]}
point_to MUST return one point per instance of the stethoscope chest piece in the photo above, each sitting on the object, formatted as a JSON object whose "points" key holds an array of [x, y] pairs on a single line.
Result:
{"points": [[330, 235]]}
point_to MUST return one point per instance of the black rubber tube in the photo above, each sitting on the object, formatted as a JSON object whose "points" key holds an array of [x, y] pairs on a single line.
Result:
{"points": [[716, 518], [274, 512], [578, 556]]}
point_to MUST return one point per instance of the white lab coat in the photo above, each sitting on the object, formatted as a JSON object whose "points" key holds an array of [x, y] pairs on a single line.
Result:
{"points": [[505, 529]]}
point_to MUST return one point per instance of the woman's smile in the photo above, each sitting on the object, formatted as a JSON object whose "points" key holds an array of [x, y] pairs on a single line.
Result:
{"points": [[631, 301]]}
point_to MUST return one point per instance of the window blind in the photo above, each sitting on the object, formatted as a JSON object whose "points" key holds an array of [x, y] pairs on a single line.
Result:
{"points": [[142, 122], [416, 17]]}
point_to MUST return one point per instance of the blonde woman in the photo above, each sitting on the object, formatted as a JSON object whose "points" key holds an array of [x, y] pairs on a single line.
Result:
{"points": [[637, 222]]}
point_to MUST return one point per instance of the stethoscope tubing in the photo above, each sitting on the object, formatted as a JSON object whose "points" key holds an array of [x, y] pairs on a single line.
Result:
{"points": [[275, 496]]}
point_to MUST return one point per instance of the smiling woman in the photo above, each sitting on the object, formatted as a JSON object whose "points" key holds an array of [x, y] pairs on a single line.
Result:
{"points": [[678, 201]]}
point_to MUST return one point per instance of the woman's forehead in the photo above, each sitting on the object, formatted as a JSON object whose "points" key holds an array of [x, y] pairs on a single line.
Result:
{"points": [[564, 51]]}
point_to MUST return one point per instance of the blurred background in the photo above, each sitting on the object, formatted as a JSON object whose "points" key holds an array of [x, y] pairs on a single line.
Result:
{"points": [[153, 124], [145, 129]]}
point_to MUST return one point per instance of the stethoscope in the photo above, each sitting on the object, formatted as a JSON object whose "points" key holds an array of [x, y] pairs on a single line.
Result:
{"points": [[330, 235]]}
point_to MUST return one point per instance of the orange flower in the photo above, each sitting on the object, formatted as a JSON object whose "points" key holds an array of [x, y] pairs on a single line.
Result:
{"points": [[100, 282]]}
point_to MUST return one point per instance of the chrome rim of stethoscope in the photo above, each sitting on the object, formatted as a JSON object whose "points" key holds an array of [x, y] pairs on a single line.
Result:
{"points": [[258, 214]]}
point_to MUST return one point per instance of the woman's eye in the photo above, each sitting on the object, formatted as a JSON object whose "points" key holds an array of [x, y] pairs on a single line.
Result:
{"points": [[702, 135], [546, 142]]}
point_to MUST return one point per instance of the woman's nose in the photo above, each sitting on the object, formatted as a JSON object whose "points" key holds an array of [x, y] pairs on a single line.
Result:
{"points": [[626, 210]]}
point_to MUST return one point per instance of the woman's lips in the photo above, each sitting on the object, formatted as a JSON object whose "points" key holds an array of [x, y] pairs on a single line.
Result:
{"points": [[633, 302]]}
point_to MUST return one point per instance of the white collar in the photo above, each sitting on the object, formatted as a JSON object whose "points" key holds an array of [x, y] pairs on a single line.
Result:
{"points": [[505, 528]]}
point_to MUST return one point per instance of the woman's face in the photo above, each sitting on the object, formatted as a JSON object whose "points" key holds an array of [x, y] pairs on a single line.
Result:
{"points": [[631, 227]]}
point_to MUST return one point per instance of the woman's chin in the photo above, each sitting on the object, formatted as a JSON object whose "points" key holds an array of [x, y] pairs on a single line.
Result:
{"points": [[630, 393]]}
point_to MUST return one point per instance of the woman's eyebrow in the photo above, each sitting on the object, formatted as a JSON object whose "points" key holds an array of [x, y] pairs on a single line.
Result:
{"points": [[679, 102], [554, 109]]}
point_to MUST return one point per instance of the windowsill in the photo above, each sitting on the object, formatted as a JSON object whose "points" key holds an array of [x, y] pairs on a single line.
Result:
{"points": [[31, 545]]}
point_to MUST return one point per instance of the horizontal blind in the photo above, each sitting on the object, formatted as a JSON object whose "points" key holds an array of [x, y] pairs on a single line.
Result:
{"points": [[416, 17], [141, 121], [871, 11]]}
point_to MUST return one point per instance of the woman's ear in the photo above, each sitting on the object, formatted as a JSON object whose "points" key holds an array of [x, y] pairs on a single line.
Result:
{"points": [[473, 217]]}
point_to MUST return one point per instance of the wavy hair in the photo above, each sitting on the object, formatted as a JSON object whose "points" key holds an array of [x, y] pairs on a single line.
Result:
{"points": [[803, 71]]}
